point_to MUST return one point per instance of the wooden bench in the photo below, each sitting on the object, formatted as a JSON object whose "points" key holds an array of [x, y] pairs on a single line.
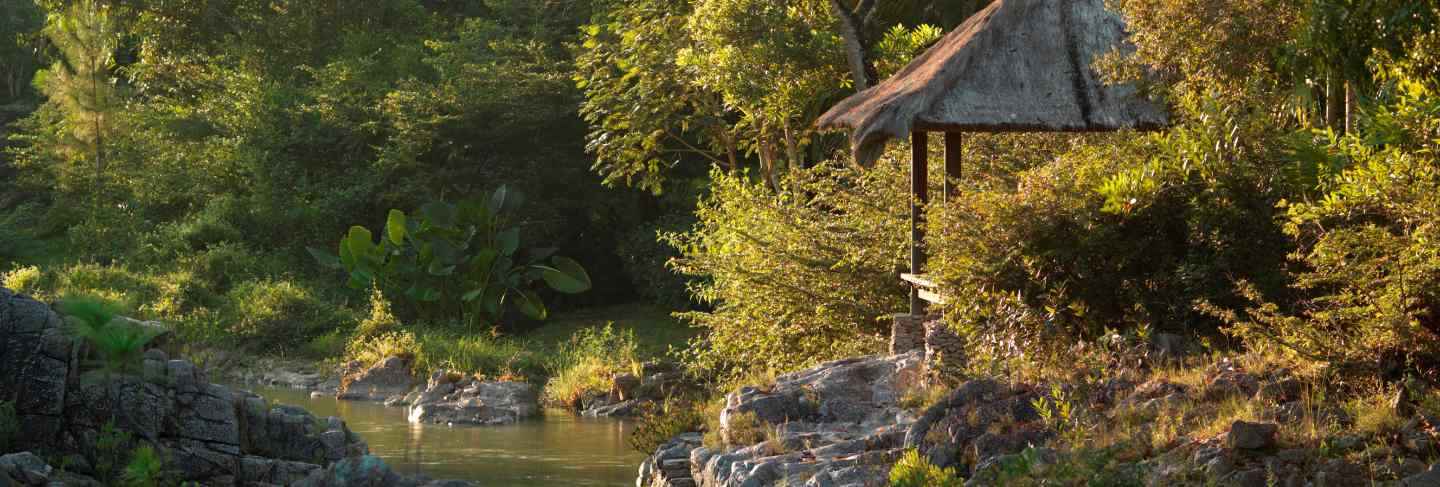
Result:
{"points": [[924, 287]]}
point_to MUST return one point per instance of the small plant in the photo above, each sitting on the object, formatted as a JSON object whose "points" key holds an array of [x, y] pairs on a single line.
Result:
{"points": [[915, 471], [457, 261], [144, 470], [9, 425], [744, 429], [588, 361], [111, 445], [660, 424], [1058, 411], [117, 346]]}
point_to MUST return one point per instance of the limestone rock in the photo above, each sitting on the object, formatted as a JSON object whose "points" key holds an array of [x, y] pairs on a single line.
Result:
{"points": [[1428, 478], [386, 378], [625, 386], [26, 468], [1251, 436], [485, 403], [209, 433]]}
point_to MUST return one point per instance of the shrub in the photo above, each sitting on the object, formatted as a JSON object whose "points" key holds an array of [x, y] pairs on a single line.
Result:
{"points": [[799, 276], [490, 356], [374, 348], [269, 313], [659, 424], [144, 469], [588, 361], [1088, 241], [915, 471], [1368, 274]]}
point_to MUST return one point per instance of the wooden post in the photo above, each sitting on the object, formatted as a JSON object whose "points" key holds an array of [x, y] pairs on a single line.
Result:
{"points": [[919, 195], [952, 163]]}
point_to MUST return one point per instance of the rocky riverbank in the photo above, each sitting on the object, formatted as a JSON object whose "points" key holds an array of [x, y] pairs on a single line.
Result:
{"points": [[1160, 422], [206, 433]]}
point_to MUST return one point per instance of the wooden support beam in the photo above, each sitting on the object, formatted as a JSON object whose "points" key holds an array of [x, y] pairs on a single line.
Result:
{"points": [[919, 195], [953, 157]]}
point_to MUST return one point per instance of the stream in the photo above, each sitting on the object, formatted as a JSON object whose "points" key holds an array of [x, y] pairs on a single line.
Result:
{"points": [[558, 449]]}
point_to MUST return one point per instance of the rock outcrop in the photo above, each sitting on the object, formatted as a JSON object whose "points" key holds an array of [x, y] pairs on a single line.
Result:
{"points": [[630, 395], [449, 399], [839, 423], [210, 433], [390, 377]]}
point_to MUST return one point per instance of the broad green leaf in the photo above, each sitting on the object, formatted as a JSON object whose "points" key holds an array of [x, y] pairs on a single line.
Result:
{"points": [[498, 199], [395, 227], [474, 293], [509, 240], [531, 305], [361, 244], [347, 257], [493, 300], [482, 260], [438, 268], [423, 293], [362, 275], [326, 259], [565, 275], [439, 214]]}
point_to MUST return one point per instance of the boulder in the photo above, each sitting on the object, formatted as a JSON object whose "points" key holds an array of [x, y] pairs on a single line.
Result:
{"points": [[1428, 478], [836, 424], [384, 379], [625, 386], [26, 468], [1228, 380], [369, 471], [209, 433], [484, 403], [1245, 435]]}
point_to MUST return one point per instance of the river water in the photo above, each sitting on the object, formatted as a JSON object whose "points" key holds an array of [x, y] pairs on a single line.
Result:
{"points": [[558, 449]]}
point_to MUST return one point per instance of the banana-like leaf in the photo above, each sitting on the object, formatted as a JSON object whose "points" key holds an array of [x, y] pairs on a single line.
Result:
{"points": [[565, 275], [482, 260], [395, 227], [361, 245], [494, 299], [361, 277], [424, 294], [531, 305], [509, 240], [474, 293], [326, 259], [498, 199], [439, 269], [347, 257]]}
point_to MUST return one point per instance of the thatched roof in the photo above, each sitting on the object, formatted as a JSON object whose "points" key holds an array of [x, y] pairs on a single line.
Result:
{"points": [[1017, 65]]}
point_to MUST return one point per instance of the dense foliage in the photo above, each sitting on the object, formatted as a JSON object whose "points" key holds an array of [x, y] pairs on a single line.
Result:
{"points": [[457, 262], [1369, 275], [799, 276]]}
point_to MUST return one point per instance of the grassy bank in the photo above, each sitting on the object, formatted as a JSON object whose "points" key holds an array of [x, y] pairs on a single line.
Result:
{"points": [[209, 306]]}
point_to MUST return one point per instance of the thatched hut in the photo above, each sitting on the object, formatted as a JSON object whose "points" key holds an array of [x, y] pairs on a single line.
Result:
{"points": [[1015, 66]]}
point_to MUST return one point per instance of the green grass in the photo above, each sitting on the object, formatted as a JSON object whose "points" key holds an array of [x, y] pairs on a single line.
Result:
{"points": [[655, 330]]}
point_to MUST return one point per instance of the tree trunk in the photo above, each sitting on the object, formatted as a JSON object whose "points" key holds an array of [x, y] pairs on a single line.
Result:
{"points": [[1349, 107], [857, 45], [1333, 102]]}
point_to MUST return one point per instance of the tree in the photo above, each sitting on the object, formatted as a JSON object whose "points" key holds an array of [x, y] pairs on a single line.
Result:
{"points": [[732, 83], [18, 22], [82, 82]]}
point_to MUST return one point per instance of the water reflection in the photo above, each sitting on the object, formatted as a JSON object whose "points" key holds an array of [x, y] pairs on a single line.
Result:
{"points": [[560, 449]]}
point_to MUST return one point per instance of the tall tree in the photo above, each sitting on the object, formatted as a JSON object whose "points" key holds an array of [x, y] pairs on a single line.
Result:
{"points": [[82, 82]]}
